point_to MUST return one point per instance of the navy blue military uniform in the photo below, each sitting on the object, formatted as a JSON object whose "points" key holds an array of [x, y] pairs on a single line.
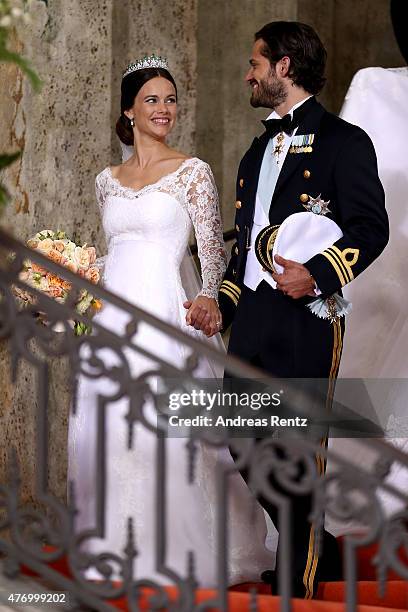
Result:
{"points": [[277, 333]]}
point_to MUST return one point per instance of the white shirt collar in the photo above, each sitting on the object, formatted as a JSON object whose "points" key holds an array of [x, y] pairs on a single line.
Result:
{"points": [[274, 114]]}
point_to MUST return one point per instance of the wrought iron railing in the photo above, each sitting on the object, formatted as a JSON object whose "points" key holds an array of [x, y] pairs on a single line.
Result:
{"points": [[40, 530]]}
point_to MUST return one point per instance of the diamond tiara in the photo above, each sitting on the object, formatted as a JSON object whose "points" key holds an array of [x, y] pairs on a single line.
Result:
{"points": [[151, 61]]}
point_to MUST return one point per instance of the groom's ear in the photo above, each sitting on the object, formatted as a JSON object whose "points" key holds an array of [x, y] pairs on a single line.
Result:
{"points": [[282, 66]]}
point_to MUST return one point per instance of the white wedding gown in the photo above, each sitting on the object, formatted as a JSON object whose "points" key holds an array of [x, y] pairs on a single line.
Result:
{"points": [[147, 233]]}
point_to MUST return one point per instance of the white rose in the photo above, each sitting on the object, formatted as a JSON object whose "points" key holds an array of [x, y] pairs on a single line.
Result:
{"points": [[84, 304], [24, 276], [44, 284], [81, 258], [69, 249]]}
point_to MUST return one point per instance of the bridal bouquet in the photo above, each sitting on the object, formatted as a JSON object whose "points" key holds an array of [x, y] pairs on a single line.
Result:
{"points": [[78, 259]]}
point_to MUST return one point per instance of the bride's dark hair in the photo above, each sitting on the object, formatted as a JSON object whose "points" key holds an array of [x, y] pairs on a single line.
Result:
{"points": [[131, 85]]}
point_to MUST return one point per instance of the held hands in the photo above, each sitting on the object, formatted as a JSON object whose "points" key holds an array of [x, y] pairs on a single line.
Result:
{"points": [[295, 280], [203, 313]]}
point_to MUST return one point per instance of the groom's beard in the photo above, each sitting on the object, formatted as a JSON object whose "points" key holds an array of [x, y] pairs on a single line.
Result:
{"points": [[268, 94]]}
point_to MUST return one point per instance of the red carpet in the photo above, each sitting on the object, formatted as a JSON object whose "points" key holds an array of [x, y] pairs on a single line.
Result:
{"points": [[330, 595]]}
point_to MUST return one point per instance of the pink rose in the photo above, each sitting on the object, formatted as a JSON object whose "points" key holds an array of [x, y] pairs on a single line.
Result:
{"points": [[59, 245], [38, 269], [92, 254], [81, 258], [55, 292], [92, 275], [70, 265], [45, 245], [55, 256]]}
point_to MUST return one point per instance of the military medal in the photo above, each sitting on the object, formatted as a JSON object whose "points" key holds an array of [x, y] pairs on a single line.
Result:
{"points": [[317, 205], [302, 143], [279, 146]]}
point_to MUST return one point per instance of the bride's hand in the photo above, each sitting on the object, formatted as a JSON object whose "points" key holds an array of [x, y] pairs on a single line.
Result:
{"points": [[204, 314]]}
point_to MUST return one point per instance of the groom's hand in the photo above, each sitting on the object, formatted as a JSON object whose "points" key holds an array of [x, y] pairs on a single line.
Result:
{"points": [[295, 280], [203, 314], [197, 317]]}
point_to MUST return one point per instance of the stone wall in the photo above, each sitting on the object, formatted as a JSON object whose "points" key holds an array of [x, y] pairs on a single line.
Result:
{"points": [[64, 129], [79, 49], [226, 123], [356, 35], [142, 27], [64, 132]]}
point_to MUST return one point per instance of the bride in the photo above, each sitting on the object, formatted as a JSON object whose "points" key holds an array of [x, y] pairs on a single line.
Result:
{"points": [[149, 205]]}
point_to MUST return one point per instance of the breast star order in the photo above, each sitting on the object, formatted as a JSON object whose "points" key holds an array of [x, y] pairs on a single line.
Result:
{"points": [[317, 205]]}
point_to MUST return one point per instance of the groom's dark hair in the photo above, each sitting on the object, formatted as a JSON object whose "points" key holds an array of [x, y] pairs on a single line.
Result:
{"points": [[302, 45], [131, 85]]}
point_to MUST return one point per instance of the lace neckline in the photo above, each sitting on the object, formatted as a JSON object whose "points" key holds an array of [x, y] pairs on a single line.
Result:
{"points": [[149, 185]]}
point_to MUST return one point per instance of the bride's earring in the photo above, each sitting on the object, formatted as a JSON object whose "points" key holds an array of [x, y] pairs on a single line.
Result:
{"points": [[132, 122]]}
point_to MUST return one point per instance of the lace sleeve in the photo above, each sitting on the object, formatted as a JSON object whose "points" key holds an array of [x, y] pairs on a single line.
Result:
{"points": [[203, 208], [100, 183], [100, 191]]}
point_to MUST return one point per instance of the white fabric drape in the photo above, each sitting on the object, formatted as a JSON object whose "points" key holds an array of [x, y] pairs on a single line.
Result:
{"points": [[377, 330], [376, 339]]}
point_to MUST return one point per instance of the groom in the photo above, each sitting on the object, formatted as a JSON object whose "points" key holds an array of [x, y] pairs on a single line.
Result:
{"points": [[304, 153]]}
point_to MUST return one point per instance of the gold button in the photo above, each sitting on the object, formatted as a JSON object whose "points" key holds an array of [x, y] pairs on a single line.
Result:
{"points": [[241, 182], [304, 198], [237, 227], [306, 173], [236, 251], [238, 204]]}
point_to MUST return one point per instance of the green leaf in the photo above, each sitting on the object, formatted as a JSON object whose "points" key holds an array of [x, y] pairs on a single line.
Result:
{"points": [[81, 328], [22, 63], [44, 235], [8, 159]]}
